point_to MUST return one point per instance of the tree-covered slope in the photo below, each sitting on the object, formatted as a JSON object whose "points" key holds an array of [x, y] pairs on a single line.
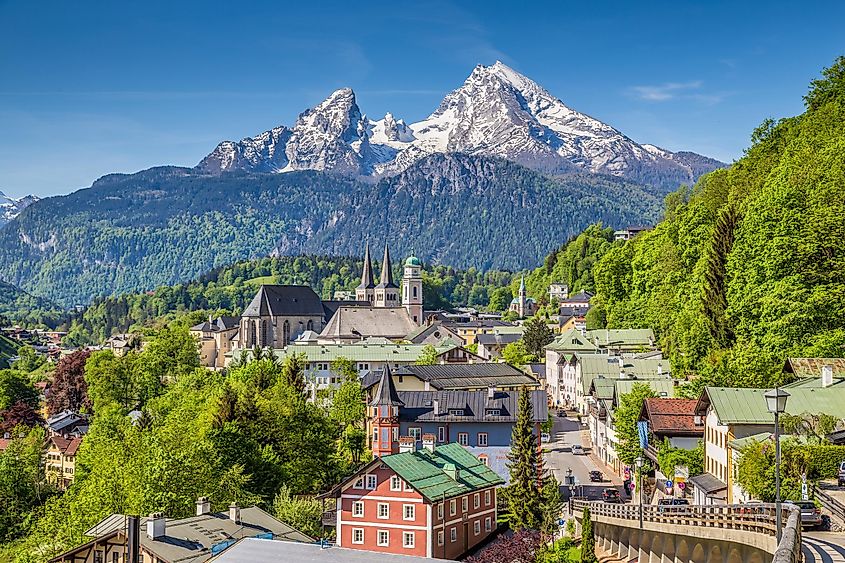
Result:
{"points": [[747, 268], [167, 225], [19, 307]]}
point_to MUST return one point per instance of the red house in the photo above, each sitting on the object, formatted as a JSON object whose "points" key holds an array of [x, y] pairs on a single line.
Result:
{"points": [[434, 502]]}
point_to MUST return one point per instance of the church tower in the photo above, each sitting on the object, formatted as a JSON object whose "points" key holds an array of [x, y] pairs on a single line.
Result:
{"points": [[385, 416], [365, 290], [412, 297], [523, 298], [386, 292]]}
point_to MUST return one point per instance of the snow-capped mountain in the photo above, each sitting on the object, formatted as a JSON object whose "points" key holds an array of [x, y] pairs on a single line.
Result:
{"points": [[496, 112], [11, 207]]}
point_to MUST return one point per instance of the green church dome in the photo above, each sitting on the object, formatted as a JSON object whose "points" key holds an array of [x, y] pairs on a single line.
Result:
{"points": [[413, 261]]}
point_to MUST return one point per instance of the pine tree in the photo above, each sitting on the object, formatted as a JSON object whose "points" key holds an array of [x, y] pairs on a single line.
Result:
{"points": [[536, 336], [715, 300], [588, 538], [524, 500]]}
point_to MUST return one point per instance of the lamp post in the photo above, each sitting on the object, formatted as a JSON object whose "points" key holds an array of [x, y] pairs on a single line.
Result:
{"points": [[570, 483], [639, 463], [776, 404]]}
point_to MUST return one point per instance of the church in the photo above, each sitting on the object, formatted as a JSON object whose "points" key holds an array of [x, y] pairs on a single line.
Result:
{"points": [[281, 314]]}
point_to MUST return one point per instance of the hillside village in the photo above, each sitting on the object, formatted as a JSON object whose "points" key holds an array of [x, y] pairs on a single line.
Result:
{"points": [[441, 396]]}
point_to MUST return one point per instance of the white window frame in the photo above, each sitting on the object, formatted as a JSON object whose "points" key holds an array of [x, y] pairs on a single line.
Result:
{"points": [[464, 503], [386, 508], [409, 544], [395, 483], [440, 511], [408, 486], [487, 496], [413, 512], [476, 527], [488, 524], [463, 438], [354, 532], [359, 483], [453, 534], [374, 478], [384, 543], [483, 443], [415, 432], [440, 537], [476, 500], [441, 433], [355, 505], [453, 507]]}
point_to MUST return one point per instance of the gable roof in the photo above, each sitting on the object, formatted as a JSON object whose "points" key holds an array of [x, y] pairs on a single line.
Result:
{"points": [[498, 339], [361, 322], [287, 300], [437, 329], [330, 306], [220, 324], [359, 351], [622, 337], [748, 406], [469, 376], [424, 471], [595, 365], [419, 406], [257, 550], [580, 297], [572, 341], [812, 367], [675, 417], [67, 446]]}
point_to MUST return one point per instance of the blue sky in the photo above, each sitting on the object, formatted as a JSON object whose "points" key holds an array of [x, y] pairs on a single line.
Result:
{"points": [[88, 88]]}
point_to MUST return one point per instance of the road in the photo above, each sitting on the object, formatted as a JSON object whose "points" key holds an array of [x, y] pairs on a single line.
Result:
{"points": [[823, 547], [559, 458]]}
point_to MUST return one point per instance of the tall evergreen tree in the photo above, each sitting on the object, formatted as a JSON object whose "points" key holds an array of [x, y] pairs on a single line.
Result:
{"points": [[588, 538], [537, 335], [715, 298], [523, 495]]}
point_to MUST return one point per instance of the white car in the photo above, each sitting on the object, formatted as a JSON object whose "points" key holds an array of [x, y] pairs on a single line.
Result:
{"points": [[577, 449]]}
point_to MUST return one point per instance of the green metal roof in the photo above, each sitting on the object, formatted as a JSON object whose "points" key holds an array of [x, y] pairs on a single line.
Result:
{"points": [[595, 365], [403, 353], [748, 406], [572, 341], [413, 261], [604, 387], [813, 383], [424, 470], [663, 387], [740, 443], [622, 337]]}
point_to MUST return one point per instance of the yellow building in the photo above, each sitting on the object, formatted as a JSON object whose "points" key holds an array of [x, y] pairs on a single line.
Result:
{"points": [[60, 462]]}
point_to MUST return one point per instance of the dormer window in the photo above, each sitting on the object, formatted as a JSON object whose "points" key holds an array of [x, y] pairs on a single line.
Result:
{"points": [[493, 412], [456, 412]]}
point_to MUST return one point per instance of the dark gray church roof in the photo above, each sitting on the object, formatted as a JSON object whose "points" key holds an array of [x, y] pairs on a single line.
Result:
{"points": [[367, 279], [386, 272], [386, 392], [290, 300], [469, 376]]}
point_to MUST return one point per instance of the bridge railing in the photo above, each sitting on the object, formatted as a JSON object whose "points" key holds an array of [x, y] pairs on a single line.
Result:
{"points": [[756, 518]]}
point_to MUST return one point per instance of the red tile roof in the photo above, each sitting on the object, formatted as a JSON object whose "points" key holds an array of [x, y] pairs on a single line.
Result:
{"points": [[672, 417], [4, 443]]}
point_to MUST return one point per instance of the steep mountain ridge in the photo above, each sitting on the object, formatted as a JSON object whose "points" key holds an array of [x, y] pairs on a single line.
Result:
{"points": [[11, 207], [131, 232], [496, 112]]}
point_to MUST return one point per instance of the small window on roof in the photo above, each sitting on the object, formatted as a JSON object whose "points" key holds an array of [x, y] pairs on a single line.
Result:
{"points": [[456, 412], [493, 412]]}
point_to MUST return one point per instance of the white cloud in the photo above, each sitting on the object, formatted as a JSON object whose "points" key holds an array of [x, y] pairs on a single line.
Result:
{"points": [[666, 91]]}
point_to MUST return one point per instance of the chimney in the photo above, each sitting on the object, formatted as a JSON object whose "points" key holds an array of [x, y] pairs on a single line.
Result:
{"points": [[156, 527], [428, 441], [407, 444], [659, 369], [452, 471], [621, 361], [491, 393], [203, 506], [436, 404], [827, 376], [235, 513], [133, 539]]}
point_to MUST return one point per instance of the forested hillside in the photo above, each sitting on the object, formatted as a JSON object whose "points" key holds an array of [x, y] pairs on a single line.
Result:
{"points": [[19, 307], [169, 225], [748, 267], [230, 288]]}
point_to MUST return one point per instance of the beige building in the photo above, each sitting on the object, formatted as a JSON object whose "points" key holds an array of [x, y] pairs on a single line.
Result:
{"points": [[214, 339], [60, 460]]}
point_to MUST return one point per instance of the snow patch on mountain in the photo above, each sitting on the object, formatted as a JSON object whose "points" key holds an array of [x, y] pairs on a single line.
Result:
{"points": [[496, 112], [11, 207]]}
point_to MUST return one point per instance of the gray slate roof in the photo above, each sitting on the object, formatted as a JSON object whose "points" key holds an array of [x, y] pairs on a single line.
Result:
{"points": [[419, 406], [290, 300], [219, 324], [470, 376], [189, 540], [361, 322], [496, 339], [265, 551], [386, 392]]}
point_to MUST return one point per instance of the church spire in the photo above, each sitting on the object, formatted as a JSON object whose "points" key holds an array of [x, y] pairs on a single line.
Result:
{"points": [[386, 271], [522, 285], [367, 278], [386, 393]]}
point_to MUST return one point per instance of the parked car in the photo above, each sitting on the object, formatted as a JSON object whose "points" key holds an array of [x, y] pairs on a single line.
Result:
{"points": [[577, 449], [596, 476], [842, 474], [811, 516], [545, 438], [611, 495]]}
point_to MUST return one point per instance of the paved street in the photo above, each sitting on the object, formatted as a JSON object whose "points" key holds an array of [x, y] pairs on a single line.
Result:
{"points": [[823, 547], [559, 458]]}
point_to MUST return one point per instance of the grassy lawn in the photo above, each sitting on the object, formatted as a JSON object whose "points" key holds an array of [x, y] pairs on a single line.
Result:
{"points": [[262, 280]]}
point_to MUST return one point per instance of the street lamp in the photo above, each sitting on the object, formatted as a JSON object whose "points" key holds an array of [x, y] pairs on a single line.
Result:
{"points": [[776, 404], [639, 463]]}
